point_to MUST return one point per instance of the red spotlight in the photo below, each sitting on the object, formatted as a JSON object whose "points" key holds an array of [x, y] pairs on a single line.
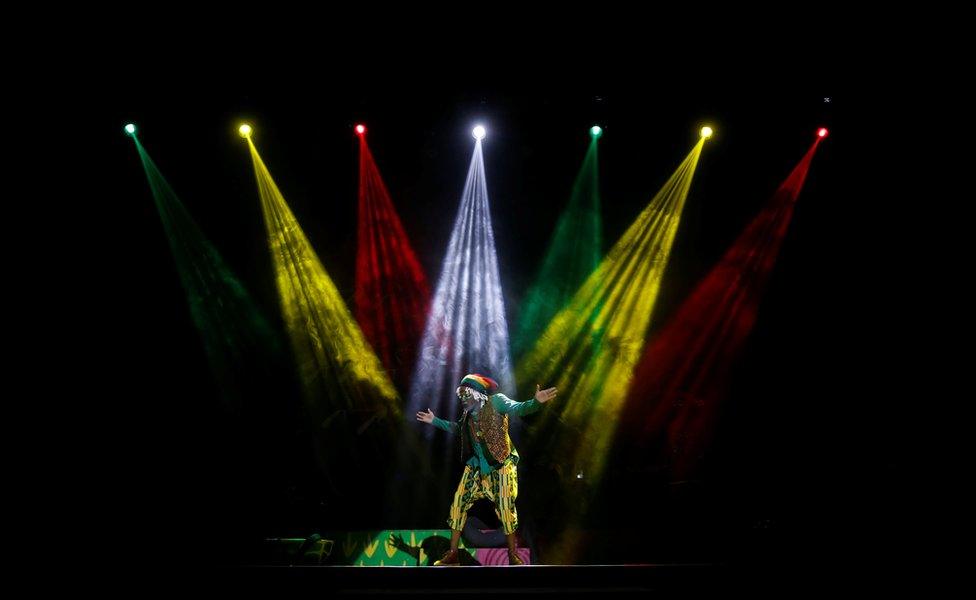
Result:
{"points": [[391, 294], [822, 132], [361, 129], [686, 370]]}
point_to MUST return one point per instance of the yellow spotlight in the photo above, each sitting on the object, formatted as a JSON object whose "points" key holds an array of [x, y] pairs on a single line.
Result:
{"points": [[706, 132], [336, 363], [244, 130], [589, 349]]}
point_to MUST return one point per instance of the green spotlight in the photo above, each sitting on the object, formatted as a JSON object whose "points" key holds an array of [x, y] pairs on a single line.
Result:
{"points": [[596, 131], [130, 128]]}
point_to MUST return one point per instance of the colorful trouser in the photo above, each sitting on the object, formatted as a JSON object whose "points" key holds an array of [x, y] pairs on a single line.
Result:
{"points": [[501, 487]]}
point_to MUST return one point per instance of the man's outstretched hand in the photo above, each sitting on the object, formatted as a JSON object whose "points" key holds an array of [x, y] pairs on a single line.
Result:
{"points": [[426, 417], [544, 395]]}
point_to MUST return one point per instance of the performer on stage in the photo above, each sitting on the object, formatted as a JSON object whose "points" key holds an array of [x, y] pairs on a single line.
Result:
{"points": [[490, 472]]}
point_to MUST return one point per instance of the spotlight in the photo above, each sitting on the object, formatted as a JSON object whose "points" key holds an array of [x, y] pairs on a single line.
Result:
{"points": [[360, 129], [822, 132], [596, 131], [706, 132], [479, 132], [244, 130], [131, 129]]}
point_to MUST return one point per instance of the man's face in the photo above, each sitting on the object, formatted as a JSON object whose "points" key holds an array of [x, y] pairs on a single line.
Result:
{"points": [[467, 397]]}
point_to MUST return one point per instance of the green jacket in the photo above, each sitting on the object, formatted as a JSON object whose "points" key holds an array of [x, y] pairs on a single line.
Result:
{"points": [[486, 431]]}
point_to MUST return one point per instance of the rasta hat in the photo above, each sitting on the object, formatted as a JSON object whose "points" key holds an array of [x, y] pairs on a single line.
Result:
{"points": [[479, 383]]}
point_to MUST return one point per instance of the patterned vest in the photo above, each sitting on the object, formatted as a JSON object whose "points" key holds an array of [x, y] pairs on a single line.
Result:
{"points": [[491, 428]]}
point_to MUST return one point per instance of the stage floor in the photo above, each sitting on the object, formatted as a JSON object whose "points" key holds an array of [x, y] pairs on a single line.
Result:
{"points": [[601, 579]]}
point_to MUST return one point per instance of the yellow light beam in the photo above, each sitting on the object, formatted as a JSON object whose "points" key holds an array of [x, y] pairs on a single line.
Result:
{"points": [[333, 356], [590, 347]]}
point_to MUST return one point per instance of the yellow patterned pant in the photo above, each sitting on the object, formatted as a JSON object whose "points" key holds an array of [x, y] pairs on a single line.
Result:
{"points": [[501, 487]]}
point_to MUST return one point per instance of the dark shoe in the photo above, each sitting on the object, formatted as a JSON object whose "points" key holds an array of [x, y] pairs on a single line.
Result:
{"points": [[514, 559], [450, 558]]}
